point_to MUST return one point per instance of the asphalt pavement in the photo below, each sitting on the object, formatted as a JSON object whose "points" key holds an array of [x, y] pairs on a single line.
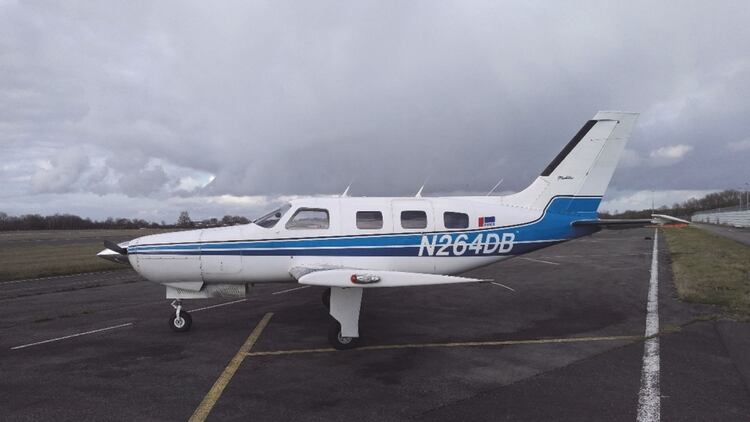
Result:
{"points": [[740, 234], [558, 336]]}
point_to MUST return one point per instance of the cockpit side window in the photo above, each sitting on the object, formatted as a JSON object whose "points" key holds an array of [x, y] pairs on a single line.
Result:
{"points": [[269, 220], [308, 218]]}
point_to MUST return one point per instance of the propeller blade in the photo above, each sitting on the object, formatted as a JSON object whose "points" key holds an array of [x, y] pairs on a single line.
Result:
{"points": [[115, 247]]}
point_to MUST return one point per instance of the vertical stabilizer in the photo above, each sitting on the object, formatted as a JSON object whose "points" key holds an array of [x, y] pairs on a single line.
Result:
{"points": [[586, 164]]}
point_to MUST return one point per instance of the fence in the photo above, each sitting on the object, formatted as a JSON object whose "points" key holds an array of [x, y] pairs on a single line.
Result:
{"points": [[735, 216]]}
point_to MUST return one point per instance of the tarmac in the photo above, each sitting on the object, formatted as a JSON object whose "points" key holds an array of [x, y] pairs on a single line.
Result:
{"points": [[559, 335], [739, 234]]}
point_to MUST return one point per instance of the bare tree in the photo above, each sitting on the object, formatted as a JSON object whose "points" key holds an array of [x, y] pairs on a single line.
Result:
{"points": [[184, 220]]}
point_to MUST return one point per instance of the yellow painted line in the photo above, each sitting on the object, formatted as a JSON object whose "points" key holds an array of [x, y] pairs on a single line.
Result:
{"points": [[201, 413], [457, 344], [295, 352]]}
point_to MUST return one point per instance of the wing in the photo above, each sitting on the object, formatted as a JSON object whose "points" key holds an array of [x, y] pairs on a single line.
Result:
{"points": [[349, 277], [614, 223]]}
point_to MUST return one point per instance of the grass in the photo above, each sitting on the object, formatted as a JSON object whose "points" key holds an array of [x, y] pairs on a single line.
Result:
{"points": [[32, 254], [710, 269]]}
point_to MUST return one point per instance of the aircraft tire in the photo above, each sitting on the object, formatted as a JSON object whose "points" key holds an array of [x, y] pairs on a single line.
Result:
{"points": [[327, 298], [337, 341], [181, 325]]}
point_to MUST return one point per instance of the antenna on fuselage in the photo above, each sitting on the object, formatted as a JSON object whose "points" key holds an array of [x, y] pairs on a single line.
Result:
{"points": [[346, 191], [494, 187], [419, 192]]}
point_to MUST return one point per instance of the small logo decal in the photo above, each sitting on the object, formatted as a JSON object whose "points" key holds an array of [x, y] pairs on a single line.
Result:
{"points": [[564, 177], [487, 221]]}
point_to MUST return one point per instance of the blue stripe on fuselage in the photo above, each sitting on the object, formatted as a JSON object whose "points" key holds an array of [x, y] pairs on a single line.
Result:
{"points": [[553, 227]]}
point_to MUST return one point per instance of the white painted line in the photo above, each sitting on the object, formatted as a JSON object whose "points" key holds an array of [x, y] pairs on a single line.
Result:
{"points": [[649, 399], [289, 290], [216, 306], [540, 260], [71, 336], [502, 285]]}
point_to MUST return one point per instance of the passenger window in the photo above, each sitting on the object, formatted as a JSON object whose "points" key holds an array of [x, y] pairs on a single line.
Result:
{"points": [[455, 220], [413, 219], [308, 218], [369, 220]]}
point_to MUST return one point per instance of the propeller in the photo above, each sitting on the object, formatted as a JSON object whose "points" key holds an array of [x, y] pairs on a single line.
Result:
{"points": [[115, 247]]}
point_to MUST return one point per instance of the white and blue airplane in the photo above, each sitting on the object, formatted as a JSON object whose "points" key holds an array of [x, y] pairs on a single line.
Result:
{"points": [[351, 244]]}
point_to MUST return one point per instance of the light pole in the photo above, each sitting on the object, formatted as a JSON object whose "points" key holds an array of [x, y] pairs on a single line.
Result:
{"points": [[739, 191]]}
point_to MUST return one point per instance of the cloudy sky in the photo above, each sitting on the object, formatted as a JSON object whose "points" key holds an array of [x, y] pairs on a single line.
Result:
{"points": [[143, 109]]}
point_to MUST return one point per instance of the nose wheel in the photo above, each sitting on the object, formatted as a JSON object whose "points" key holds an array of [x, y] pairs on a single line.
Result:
{"points": [[181, 320]]}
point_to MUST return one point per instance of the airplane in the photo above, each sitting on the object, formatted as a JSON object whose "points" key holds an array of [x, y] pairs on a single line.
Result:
{"points": [[351, 244]]}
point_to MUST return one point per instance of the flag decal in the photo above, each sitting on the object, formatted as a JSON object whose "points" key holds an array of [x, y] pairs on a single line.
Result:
{"points": [[487, 221]]}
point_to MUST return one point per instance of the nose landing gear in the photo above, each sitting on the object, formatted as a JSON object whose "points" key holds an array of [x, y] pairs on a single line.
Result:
{"points": [[181, 320]]}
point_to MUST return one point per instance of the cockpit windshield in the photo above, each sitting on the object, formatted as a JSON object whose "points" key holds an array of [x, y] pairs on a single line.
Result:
{"points": [[269, 220]]}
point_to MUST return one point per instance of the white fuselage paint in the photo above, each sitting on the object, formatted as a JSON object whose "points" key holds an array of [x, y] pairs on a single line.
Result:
{"points": [[438, 252]]}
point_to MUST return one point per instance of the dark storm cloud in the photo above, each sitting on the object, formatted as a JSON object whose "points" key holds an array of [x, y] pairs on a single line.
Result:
{"points": [[279, 98]]}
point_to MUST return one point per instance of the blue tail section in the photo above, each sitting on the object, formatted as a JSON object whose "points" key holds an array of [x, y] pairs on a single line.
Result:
{"points": [[581, 208]]}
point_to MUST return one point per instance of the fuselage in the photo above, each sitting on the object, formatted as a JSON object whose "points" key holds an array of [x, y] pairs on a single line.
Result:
{"points": [[443, 235]]}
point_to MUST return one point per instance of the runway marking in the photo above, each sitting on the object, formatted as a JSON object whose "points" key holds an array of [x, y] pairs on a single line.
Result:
{"points": [[289, 290], [575, 256], [217, 305], [201, 413], [502, 285], [649, 399], [540, 260], [71, 336], [456, 344]]}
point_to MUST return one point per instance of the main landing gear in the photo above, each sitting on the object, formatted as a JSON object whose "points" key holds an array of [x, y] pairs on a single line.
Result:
{"points": [[344, 305], [181, 320], [327, 298], [338, 340]]}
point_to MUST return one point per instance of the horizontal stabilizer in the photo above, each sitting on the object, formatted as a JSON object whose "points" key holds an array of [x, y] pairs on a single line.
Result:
{"points": [[377, 278], [668, 219], [614, 224]]}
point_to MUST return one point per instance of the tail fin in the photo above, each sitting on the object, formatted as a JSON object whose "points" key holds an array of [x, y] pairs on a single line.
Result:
{"points": [[585, 166]]}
